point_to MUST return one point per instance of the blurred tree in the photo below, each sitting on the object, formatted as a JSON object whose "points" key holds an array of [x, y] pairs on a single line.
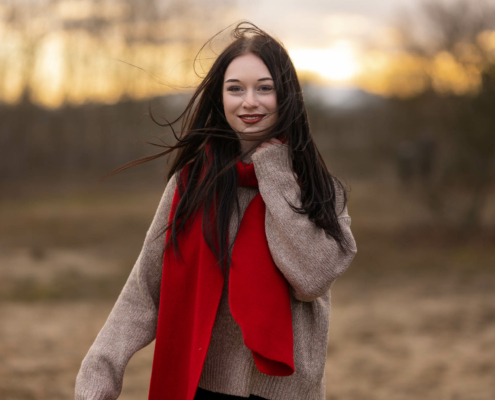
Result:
{"points": [[460, 32], [93, 36]]}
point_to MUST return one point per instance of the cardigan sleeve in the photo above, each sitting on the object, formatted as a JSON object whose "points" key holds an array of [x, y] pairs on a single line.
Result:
{"points": [[132, 322], [307, 256]]}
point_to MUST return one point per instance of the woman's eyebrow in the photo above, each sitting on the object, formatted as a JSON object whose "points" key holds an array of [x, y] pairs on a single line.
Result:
{"points": [[261, 79]]}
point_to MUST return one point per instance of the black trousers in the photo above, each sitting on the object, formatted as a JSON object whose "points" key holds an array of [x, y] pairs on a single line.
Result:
{"points": [[202, 394]]}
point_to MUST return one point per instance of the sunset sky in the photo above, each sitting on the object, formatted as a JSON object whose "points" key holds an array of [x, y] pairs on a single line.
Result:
{"points": [[350, 43]]}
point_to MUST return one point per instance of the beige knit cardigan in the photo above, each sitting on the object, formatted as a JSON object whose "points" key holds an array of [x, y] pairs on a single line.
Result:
{"points": [[309, 259]]}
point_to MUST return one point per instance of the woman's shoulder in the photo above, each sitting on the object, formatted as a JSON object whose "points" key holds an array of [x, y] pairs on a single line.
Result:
{"points": [[340, 197], [168, 193]]}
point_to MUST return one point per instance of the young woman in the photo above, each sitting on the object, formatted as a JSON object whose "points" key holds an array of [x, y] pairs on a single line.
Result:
{"points": [[234, 277]]}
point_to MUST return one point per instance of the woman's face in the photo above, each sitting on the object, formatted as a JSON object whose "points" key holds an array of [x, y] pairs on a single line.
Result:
{"points": [[249, 97]]}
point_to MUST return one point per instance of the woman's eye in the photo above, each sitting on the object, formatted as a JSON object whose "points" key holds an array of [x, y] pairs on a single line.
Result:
{"points": [[233, 89], [265, 88]]}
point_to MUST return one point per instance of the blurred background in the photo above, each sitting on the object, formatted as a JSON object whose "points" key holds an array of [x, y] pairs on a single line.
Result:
{"points": [[401, 98]]}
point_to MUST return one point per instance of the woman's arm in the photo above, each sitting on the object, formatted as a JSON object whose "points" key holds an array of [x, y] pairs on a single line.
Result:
{"points": [[132, 322], [309, 259]]}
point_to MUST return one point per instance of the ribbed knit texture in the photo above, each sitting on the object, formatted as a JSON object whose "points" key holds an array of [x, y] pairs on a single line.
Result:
{"points": [[309, 259]]}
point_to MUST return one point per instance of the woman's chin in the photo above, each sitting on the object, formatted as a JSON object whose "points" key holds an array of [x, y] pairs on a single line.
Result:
{"points": [[254, 129]]}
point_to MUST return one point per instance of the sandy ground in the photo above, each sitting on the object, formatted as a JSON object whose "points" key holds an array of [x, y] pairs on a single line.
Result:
{"points": [[388, 347], [412, 318]]}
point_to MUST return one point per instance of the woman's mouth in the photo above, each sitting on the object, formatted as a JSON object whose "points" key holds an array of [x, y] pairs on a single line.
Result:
{"points": [[251, 118]]}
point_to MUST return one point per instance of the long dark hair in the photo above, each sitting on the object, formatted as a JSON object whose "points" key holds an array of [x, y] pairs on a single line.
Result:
{"points": [[204, 123]]}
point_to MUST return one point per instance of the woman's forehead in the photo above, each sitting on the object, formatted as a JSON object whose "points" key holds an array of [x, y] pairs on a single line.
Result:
{"points": [[247, 67]]}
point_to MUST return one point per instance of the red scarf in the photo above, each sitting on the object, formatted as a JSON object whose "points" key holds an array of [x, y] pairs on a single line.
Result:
{"points": [[190, 294]]}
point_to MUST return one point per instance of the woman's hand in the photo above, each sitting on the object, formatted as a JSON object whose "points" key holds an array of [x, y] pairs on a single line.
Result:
{"points": [[267, 144]]}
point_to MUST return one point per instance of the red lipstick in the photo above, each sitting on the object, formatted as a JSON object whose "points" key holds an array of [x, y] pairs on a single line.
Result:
{"points": [[251, 118]]}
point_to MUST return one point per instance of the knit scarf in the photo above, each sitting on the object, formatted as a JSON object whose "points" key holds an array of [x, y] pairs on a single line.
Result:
{"points": [[191, 289]]}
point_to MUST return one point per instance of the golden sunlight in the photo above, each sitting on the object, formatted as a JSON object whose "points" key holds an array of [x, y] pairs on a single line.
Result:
{"points": [[76, 67], [337, 63], [48, 79]]}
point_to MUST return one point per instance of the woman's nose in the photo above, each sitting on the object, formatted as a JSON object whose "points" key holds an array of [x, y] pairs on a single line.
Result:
{"points": [[250, 99]]}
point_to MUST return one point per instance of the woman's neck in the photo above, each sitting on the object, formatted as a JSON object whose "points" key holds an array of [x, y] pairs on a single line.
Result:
{"points": [[250, 146], [247, 158]]}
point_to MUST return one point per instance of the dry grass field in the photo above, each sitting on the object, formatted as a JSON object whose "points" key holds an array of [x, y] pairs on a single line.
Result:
{"points": [[412, 318]]}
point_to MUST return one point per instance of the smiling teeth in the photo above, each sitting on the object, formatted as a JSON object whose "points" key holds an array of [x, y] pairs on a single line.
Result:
{"points": [[251, 117]]}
